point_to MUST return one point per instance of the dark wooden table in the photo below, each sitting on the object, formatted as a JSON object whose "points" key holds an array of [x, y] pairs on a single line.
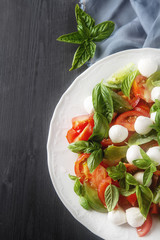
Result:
{"points": [[33, 76]]}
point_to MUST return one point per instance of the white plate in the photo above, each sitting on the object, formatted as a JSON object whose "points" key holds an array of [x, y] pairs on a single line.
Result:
{"points": [[61, 160]]}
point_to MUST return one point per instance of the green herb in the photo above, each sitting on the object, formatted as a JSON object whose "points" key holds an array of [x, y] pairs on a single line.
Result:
{"points": [[127, 83], [84, 203], [144, 155], [84, 146], [86, 35], [117, 172], [94, 159], [102, 101], [123, 184], [156, 195], [72, 177], [156, 125], [131, 180], [127, 193], [142, 163], [153, 80], [111, 197], [112, 152], [155, 107], [77, 187], [137, 139], [144, 197], [148, 173], [101, 128], [120, 104]]}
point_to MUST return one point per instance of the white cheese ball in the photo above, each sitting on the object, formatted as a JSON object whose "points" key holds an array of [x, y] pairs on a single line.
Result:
{"points": [[155, 93], [134, 217], [139, 177], [153, 116], [117, 217], [88, 105], [118, 133], [133, 153], [154, 154], [142, 125], [147, 66]]}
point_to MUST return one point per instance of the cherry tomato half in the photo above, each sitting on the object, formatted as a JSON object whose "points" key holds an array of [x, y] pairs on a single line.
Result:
{"points": [[145, 228]]}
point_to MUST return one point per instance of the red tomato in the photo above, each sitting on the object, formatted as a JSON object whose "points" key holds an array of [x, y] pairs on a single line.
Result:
{"points": [[81, 168], [143, 108], [98, 175], [130, 167], [86, 133], [139, 89], [127, 119], [145, 228], [154, 208], [71, 135], [148, 145], [123, 202], [106, 142], [102, 187], [133, 101], [132, 199], [80, 122], [157, 173]]}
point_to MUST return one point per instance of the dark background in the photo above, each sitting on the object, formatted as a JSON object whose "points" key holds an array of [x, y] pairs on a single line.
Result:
{"points": [[33, 76]]}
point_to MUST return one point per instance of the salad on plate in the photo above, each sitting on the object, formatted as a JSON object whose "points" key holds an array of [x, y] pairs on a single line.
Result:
{"points": [[117, 170]]}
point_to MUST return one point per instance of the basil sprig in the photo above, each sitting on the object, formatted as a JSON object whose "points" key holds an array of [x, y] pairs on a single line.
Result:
{"points": [[138, 139], [111, 197], [155, 107], [156, 125], [117, 172], [95, 159], [84, 146], [102, 101], [127, 82], [87, 33], [156, 195]]}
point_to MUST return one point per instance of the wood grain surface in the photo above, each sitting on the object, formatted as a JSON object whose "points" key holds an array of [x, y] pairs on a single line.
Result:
{"points": [[33, 76]]}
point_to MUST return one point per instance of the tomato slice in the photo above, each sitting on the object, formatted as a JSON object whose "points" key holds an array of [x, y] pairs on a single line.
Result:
{"points": [[127, 119], [154, 208], [102, 187], [130, 167], [132, 199], [98, 175], [139, 88], [143, 107], [86, 133], [145, 228], [133, 101], [148, 145], [81, 169], [71, 135], [123, 202], [80, 122]]}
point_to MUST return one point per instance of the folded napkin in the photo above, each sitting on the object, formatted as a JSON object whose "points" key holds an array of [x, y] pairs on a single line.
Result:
{"points": [[137, 24]]}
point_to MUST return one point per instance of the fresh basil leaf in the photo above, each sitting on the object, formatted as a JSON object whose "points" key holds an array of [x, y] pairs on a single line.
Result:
{"points": [[156, 126], [113, 152], [158, 138], [156, 195], [144, 155], [123, 184], [127, 193], [111, 197], [94, 159], [120, 104], [137, 139], [84, 146], [102, 101], [142, 163], [127, 83], [117, 172], [101, 128], [148, 173], [74, 37], [155, 107], [72, 177], [84, 52], [131, 180], [144, 197], [84, 203], [113, 86], [77, 187], [153, 80], [102, 31], [84, 18]]}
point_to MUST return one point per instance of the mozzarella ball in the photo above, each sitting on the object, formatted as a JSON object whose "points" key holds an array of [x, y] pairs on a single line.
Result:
{"points": [[154, 154], [155, 93], [142, 125], [118, 133], [133, 153], [134, 217], [88, 105], [147, 66], [153, 116], [139, 177], [117, 217]]}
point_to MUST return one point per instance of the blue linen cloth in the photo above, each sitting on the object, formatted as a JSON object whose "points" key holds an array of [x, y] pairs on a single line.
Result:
{"points": [[137, 24]]}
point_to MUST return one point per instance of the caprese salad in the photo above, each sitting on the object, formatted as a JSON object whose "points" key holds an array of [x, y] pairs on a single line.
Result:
{"points": [[117, 141]]}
